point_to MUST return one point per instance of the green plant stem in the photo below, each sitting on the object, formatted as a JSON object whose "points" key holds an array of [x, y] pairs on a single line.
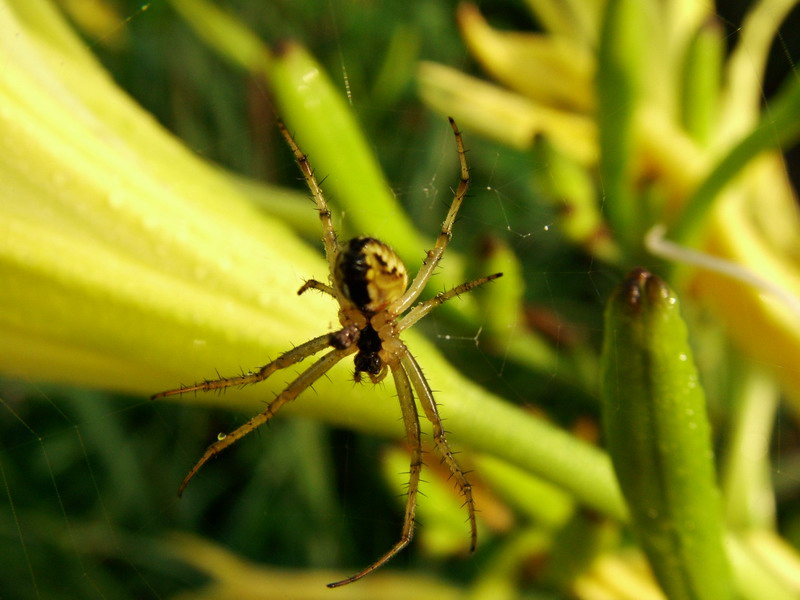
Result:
{"points": [[618, 80]]}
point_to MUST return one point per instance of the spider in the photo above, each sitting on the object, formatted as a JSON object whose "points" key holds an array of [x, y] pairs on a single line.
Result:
{"points": [[370, 284]]}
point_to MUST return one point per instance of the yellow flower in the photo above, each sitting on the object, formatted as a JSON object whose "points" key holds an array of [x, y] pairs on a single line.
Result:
{"points": [[118, 243], [130, 264], [639, 93]]}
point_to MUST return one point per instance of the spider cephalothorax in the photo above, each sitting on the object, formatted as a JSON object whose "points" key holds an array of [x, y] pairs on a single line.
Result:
{"points": [[370, 284]]}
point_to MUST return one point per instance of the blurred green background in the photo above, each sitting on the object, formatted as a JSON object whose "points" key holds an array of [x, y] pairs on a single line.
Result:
{"points": [[89, 478]]}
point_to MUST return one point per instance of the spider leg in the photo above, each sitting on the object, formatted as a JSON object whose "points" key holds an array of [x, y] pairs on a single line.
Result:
{"points": [[313, 284], [423, 308], [303, 381], [328, 232], [286, 359], [435, 254], [426, 400], [411, 421]]}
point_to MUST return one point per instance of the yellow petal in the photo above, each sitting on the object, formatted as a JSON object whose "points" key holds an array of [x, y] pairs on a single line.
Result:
{"points": [[505, 116], [766, 327], [551, 70]]}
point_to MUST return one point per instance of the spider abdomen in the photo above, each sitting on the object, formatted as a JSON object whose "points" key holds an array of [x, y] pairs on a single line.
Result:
{"points": [[370, 274]]}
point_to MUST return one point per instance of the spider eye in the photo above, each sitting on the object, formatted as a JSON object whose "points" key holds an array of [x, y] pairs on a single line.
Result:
{"points": [[370, 274]]}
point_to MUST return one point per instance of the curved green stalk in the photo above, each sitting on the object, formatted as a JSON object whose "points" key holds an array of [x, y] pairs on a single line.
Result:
{"points": [[778, 128], [319, 118]]}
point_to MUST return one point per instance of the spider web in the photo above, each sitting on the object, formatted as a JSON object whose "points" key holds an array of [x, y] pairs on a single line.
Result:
{"points": [[88, 478]]}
